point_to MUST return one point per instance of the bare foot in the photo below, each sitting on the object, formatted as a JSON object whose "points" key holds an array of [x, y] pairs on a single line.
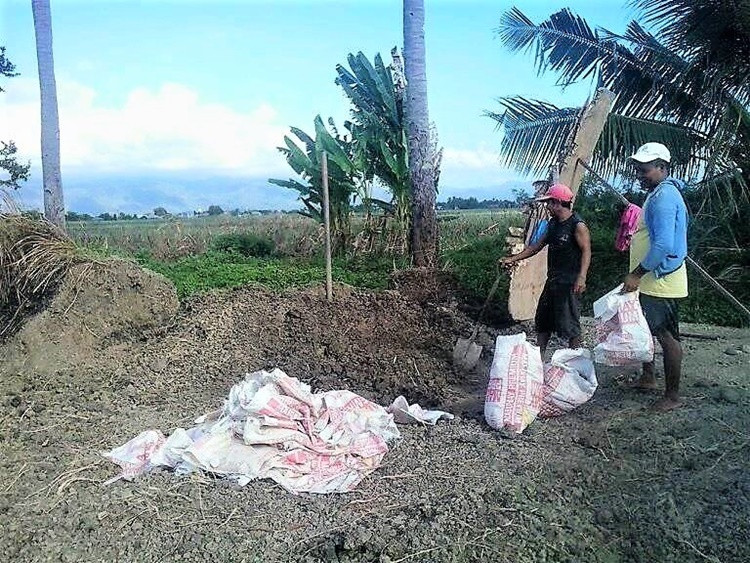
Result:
{"points": [[665, 405], [643, 383]]}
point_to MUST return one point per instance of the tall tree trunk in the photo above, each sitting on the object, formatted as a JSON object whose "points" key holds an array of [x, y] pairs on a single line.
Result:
{"points": [[424, 239], [54, 206]]}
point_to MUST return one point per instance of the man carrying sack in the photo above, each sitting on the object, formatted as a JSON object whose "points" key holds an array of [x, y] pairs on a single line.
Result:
{"points": [[657, 265]]}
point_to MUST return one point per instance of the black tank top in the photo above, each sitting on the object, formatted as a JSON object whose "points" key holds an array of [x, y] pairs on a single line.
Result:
{"points": [[564, 254]]}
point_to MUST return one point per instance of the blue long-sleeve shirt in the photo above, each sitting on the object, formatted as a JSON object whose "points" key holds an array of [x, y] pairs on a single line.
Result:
{"points": [[666, 219]]}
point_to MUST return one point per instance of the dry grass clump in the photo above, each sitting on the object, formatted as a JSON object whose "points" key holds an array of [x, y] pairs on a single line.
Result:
{"points": [[34, 257]]}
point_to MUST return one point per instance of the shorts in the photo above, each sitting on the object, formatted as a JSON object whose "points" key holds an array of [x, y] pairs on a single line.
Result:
{"points": [[662, 315], [558, 311]]}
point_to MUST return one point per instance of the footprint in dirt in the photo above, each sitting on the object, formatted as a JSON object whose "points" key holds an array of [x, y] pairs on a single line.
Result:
{"points": [[469, 407]]}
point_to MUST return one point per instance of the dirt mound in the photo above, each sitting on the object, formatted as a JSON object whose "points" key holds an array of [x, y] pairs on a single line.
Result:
{"points": [[380, 345], [96, 304], [425, 284]]}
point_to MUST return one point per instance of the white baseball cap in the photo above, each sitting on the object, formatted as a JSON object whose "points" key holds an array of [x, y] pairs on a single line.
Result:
{"points": [[652, 151]]}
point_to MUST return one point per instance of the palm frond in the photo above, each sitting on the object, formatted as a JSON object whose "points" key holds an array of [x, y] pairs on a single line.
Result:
{"points": [[721, 195], [534, 133], [649, 79], [713, 34], [622, 135], [564, 43], [654, 85]]}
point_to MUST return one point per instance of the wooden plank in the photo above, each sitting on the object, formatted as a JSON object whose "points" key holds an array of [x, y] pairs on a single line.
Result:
{"points": [[589, 130], [526, 284], [528, 277]]}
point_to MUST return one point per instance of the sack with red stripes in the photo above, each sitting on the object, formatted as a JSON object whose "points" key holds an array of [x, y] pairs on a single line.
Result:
{"points": [[514, 392], [569, 381]]}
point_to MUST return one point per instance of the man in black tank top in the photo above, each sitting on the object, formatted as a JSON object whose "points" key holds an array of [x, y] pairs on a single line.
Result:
{"points": [[568, 259]]}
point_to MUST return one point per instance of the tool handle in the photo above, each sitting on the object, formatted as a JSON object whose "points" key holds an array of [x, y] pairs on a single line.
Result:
{"points": [[493, 289]]}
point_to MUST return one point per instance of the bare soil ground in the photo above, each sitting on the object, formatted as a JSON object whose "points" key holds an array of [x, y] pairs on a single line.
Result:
{"points": [[609, 482]]}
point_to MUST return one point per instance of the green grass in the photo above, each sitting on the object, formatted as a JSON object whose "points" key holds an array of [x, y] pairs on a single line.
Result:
{"points": [[226, 270]]}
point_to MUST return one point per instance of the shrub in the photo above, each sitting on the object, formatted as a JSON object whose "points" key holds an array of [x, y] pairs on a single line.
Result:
{"points": [[246, 244], [475, 268]]}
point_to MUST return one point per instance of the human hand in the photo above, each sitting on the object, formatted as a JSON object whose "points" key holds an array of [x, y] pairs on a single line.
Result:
{"points": [[505, 262], [630, 283], [580, 285]]}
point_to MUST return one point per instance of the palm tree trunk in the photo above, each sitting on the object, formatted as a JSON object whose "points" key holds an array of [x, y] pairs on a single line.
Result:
{"points": [[54, 207], [424, 237]]}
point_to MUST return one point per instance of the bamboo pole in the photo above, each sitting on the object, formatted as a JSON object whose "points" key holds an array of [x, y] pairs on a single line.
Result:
{"points": [[327, 226], [725, 292]]}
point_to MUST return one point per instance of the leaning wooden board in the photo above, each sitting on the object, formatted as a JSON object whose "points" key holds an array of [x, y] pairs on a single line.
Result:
{"points": [[526, 284]]}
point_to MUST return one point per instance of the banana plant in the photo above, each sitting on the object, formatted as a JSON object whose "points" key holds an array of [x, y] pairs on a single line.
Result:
{"points": [[304, 156], [377, 131]]}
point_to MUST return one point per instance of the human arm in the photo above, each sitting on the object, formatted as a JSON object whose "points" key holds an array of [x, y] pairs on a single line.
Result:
{"points": [[661, 218], [583, 238], [527, 252]]}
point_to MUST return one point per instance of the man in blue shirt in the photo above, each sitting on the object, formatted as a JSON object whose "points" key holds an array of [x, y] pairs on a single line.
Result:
{"points": [[657, 265]]}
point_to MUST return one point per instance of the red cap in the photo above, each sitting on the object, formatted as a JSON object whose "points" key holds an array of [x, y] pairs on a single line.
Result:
{"points": [[560, 192]]}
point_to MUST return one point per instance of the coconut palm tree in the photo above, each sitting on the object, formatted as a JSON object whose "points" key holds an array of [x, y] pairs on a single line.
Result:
{"points": [[669, 87], [54, 206], [420, 145]]}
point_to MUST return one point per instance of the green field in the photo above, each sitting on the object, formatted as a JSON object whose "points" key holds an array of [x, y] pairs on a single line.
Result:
{"points": [[185, 250]]}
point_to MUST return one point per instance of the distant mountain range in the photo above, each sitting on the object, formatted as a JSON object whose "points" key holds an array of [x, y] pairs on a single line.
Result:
{"points": [[182, 192]]}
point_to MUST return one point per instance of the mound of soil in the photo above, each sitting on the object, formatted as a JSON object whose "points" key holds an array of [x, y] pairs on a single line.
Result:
{"points": [[96, 304], [425, 285], [380, 345]]}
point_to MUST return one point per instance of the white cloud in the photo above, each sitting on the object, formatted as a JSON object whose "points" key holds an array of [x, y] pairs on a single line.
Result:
{"points": [[480, 166], [477, 159], [170, 129]]}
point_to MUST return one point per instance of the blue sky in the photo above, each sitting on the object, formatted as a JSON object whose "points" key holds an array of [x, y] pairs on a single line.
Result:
{"points": [[183, 102]]}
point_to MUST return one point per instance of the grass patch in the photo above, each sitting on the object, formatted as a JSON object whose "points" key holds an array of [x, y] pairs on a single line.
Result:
{"points": [[226, 270], [246, 244], [191, 253], [34, 257], [475, 267]]}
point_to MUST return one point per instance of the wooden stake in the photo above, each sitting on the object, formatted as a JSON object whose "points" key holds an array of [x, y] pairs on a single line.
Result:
{"points": [[725, 292], [327, 225]]}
